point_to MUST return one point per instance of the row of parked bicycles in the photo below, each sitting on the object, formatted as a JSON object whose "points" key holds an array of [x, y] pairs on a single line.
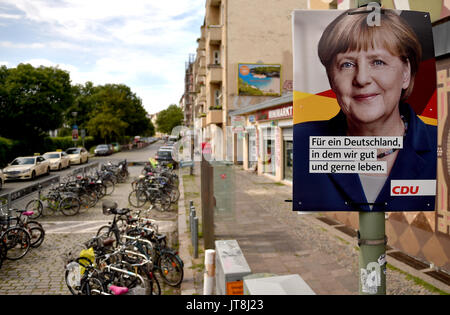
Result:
{"points": [[77, 194], [157, 185], [19, 230], [123, 258]]}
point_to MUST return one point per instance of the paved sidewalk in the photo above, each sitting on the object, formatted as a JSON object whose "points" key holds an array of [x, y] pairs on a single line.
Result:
{"points": [[279, 241]]}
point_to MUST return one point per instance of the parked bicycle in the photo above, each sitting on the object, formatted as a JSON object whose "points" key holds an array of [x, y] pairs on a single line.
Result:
{"points": [[34, 228], [55, 200], [15, 240]]}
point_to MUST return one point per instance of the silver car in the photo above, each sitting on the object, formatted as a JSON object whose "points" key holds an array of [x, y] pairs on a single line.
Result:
{"points": [[27, 167], [78, 155], [58, 160]]}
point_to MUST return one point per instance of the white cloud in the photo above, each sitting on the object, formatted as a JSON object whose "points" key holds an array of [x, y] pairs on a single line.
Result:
{"points": [[114, 41], [8, 44], [48, 63]]}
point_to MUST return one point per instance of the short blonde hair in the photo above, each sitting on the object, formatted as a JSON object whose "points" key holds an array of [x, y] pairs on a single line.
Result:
{"points": [[351, 32]]}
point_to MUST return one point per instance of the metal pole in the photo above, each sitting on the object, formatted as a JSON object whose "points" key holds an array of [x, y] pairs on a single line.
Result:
{"points": [[372, 254], [195, 237], [207, 197], [372, 240]]}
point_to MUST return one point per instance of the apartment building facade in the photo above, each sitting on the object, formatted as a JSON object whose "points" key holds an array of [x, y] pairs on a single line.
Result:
{"points": [[239, 34]]}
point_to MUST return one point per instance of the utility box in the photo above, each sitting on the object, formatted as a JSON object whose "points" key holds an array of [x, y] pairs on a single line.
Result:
{"points": [[231, 268], [278, 285]]}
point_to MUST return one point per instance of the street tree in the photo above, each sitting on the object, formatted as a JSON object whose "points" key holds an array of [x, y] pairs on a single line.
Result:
{"points": [[169, 119], [32, 101], [106, 125]]}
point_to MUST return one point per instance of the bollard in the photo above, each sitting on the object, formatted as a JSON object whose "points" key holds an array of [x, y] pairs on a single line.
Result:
{"points": [[210, 268], [192, 215], [195, 237]]}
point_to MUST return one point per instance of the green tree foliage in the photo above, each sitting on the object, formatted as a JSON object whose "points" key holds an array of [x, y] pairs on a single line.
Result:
{"points": [[32, 100], [83, 104], [106, 125], [123, 109], [169, 119]]}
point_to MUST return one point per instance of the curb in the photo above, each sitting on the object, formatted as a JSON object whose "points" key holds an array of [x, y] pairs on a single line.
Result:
{"points": [[187, 287]]}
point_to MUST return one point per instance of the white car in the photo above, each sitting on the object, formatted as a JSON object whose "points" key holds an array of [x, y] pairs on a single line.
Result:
{"points": [[2, 179], [58, 160], [78, 155], [27, 167]]}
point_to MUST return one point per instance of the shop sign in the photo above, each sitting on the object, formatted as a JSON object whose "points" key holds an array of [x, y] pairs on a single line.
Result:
{"points": [[276, 113]]}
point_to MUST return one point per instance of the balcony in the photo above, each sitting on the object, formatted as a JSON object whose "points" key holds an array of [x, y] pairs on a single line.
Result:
{"points": [[214, 74], [214, 116], [214, 35]]}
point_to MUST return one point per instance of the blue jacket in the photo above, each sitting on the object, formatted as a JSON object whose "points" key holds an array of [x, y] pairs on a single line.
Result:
{"points": [[344, 192]]}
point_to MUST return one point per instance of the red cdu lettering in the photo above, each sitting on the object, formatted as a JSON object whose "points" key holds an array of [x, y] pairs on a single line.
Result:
{"points": [[412, 191], [395, 190], [405, 190]]}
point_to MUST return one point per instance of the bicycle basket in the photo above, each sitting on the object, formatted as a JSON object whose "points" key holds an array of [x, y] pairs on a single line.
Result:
{"points": [[109, 207]]}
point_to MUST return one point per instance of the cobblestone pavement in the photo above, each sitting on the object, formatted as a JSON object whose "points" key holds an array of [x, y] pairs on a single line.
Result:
{"points": [[41, 271]]}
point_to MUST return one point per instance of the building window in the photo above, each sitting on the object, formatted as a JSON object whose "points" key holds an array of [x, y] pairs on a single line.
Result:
{"points": [[216, 57], [217, 98]]}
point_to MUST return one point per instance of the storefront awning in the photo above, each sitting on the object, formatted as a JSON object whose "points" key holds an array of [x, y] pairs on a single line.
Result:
{"points": [[288, 98]]}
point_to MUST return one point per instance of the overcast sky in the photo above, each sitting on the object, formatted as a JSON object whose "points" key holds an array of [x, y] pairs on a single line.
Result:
{"points": [[141, 43]]}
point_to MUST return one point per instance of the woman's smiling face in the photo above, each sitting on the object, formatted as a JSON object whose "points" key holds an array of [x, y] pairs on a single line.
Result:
{"points": [[368, 84]]}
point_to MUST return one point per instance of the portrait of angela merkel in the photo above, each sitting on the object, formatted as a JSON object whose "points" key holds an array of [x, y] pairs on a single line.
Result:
{"points": [[371, 69]]}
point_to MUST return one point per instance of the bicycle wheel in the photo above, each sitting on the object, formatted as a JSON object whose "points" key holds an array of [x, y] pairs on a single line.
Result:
{"points": [[92, 286], [154, 283], [170, 268], [85, 202], [70, 206], [17, 241], [162, 202], [137, 198], [174, 194], [37, 236], [36, 206], [101, 190], [37, 233], [2, 251], [109, 186], [72, 274]]}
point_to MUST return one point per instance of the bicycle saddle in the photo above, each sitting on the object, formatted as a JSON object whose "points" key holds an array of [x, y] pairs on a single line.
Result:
{"points": [[118, 290], [109, 241]]}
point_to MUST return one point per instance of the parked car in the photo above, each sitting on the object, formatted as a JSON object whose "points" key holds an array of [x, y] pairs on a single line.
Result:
{"points": [[2, 179], [27, 167], [164, 156], [78, 155], [103, 149], [58, 160]]}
